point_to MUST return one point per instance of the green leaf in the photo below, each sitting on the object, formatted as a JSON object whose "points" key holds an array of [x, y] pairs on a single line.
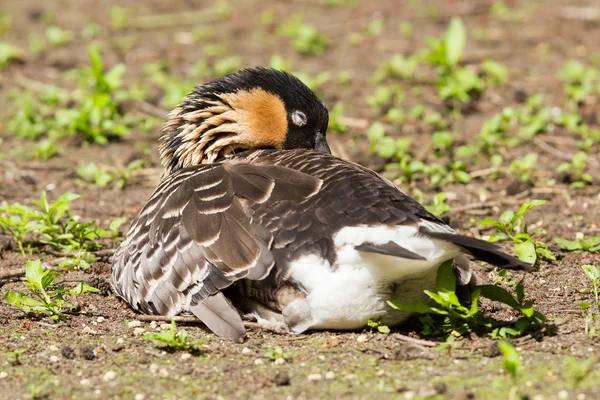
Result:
{"points": [[592, 272], [455, 41], [526, 251], [36, 276], [419, 308], [569, 245], [511, 358], [383, 329], [446, 280], [83, 288], [25, 303], [496, 293]]}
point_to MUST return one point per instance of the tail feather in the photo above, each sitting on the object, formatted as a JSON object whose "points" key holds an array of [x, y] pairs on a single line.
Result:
{"points": [[481, 250]]}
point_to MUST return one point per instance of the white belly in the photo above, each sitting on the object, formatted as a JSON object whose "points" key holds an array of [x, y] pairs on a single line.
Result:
{"points": [[357, 289]]}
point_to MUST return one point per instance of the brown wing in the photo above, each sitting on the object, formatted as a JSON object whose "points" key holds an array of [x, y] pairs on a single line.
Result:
{"points": [[196, 236]]}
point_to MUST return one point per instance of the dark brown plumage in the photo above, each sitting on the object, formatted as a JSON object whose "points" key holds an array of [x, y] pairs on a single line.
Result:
{"points": [[237, 233]]}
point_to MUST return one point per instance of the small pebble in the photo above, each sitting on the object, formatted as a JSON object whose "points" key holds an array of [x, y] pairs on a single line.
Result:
{"points": [[153, 368], [185, 356], [3, 374], [330, 375], [314, 377], [139, 331], [109, 376], [281, 379], [134, 324], [100, 320], [68, 352], [279, 361], [88, 352], [89, 331], [120, 340], [52, 348], [259, 361], [84, 382], [246, 351], [563, 394], [165, 327], [153, 324], [163, 373], [53, 359], [139, 396], [361, 338]]}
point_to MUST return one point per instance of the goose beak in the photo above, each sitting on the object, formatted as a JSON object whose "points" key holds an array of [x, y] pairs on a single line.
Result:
{"points": [[321, 143]]}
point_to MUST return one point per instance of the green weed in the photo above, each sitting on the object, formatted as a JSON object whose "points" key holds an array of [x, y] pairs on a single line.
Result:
{"points": [[102, 176], [10, 53], [173, 339], [576, 170], [438, 205], [306, 39], [512, 364], [277, 352], [52, 224], [448, 315], [513, 228], [591, 244], [45, 298]]}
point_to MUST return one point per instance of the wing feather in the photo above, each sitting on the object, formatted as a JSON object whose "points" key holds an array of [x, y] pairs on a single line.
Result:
{"points": [[196, 236]]}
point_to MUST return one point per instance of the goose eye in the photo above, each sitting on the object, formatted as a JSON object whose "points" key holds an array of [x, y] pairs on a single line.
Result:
{"points": [[298, 118]]}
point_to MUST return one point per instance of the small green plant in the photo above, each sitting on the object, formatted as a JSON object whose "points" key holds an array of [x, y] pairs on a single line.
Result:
{"points": [[512, 365], [119, 17], [45, 149], [35, 390], [92, 112], [376, 326], [591, 314], [335, 115], [513, 228], [46, 298], [524, 167], [449, 345], [10, 53], [577, 370], [591, 244], [445, 53], [57, 36], [438, 206], [397, 67], [449, 316], [314, 82], [52, 224], [576, 169], [173, 339], [306, 39], [102, 176], [15, 356], [495, 73], [580, 80], [277, 352]]}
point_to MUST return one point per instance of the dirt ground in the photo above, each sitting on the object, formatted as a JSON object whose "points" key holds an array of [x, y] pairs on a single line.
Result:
{"points": [[101, 355]]}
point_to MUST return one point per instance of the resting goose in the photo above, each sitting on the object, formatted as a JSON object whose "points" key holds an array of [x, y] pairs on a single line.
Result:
{"points": [[255, 216]]}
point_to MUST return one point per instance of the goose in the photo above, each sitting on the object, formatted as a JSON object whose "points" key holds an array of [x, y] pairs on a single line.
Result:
{"points": [[254, 217]]}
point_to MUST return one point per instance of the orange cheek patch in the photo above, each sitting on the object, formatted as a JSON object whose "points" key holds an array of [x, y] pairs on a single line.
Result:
{"points": [[262, 115]]}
